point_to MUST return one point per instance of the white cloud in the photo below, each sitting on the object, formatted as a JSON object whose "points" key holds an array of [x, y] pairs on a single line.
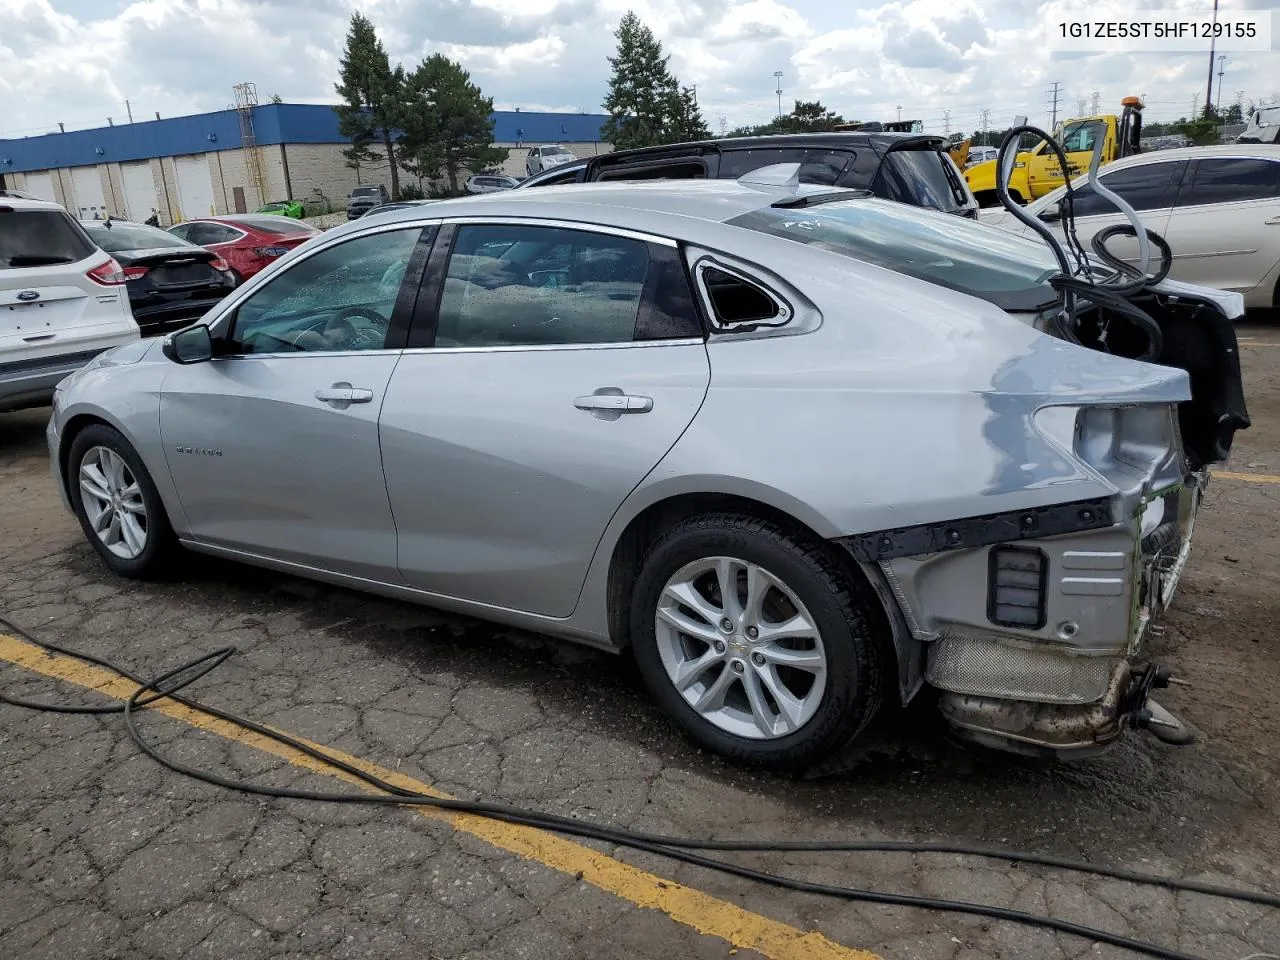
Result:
{"points": [[77, 61]]}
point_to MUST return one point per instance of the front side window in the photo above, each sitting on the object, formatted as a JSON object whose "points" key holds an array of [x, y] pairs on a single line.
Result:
{"points": [[339, 299], [1232, 180], [509, 285], [1148, 186]]}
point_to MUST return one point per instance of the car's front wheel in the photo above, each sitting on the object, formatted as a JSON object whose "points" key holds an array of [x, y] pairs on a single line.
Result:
{"points": [[756, 641], [117, 503]]}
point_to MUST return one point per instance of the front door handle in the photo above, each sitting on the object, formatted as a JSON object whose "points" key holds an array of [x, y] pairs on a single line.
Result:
{"points": [[342, 394], [618, 403], [1274, 222]]}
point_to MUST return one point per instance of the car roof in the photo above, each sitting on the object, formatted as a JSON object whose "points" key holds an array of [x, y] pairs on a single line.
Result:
{"points": [[639, 205], [21, 203], [880, 140], [1268, 151]]}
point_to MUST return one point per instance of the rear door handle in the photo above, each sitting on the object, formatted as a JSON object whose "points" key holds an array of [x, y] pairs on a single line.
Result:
{"points": [[341, 394], [614, 403]]}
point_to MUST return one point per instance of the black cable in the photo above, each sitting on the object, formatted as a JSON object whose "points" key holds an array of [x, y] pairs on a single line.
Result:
{"points": [[672, 847]]}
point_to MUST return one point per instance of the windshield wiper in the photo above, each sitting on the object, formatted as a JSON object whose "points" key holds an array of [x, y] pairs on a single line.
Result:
{"points": [[37, 261]]}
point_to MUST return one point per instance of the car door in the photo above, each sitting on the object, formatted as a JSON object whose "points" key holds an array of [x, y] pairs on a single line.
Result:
{"points": [[273, 444], [1148, 187], [552, 368], [1225, 229]]}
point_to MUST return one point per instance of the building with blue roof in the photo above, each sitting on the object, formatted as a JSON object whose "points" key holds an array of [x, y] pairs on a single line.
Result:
{"points": [[235, 161]]}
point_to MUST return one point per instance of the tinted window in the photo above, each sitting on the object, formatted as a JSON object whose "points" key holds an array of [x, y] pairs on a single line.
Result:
{"points": [[670, 312], [1149, 186], [338, 299], [816, 165], [40, 238], [526, 286], [1230, 180], [552, 180], [920, 178], [277, 225], [181, 230], [206, 234], [131, 236], [366, 192], [952, 251]]}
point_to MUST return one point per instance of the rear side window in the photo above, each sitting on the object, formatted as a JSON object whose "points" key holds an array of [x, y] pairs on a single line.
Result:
{"points": [[1149, 186], [816, 166], [277, 225], [40, 238], [920, 178], [1231, 180]]}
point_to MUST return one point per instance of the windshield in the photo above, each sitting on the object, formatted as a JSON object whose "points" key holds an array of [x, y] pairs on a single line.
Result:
{"points": [[270, 224], [555, 151], [918, 177], [366, 192], [131, 236], [952, 251]]}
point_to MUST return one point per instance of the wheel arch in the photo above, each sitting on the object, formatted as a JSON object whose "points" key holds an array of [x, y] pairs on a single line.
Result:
{"points": [[643, 529]]}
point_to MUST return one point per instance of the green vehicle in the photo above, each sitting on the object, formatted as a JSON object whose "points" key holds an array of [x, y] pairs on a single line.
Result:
{"points": [[283, 208]]}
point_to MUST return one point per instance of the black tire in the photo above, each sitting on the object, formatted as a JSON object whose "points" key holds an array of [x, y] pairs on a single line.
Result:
{"points": [[161, 545], [841, 606]]}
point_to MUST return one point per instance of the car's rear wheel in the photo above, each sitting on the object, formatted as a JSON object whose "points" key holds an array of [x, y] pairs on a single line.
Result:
{"points": [[756, 641], [117, 504]]}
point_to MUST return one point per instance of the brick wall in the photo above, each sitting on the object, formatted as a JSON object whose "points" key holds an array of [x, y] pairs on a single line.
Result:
{"points": [[319, 170]]}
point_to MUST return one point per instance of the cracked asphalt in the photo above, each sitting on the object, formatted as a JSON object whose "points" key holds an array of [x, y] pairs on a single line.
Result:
{"points": [[104, 854]]}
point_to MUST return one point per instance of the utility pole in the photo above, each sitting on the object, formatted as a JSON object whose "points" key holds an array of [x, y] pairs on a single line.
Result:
{"points": [[1056, 93], [899, 113], [129, 110], [778, 75], [946, 120], [1095, 103], [1208, 94], [1082, 104], [1222, 68], [986, 117]]}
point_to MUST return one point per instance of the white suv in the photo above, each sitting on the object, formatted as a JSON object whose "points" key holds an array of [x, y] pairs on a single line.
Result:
{"points": [[545, 157], [62, 301]]}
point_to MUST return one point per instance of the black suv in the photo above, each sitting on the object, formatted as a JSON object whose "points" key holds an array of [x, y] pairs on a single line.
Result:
{"points": [[907, 167]]}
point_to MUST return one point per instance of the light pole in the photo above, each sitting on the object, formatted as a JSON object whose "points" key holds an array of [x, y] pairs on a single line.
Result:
{"points": [[1208, 94], [899, 114], [778, 75]]}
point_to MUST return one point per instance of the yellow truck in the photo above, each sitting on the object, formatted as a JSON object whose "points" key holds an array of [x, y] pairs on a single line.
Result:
{"points": [[1037, 171]]}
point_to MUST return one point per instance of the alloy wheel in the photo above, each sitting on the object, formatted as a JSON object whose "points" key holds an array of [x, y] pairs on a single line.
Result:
{"points": [[113, 502], [741, 648]]}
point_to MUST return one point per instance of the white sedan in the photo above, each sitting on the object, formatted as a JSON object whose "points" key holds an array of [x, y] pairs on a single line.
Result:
{"points": [[1218, 208]]}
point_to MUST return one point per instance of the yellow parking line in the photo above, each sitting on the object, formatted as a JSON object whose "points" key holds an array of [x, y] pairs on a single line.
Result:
{"points": [[1247, 477], [686, 905]]}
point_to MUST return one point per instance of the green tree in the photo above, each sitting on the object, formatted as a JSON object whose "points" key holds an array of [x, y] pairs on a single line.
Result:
{"points": [[447, 123], [275, 98], [644, 98], [687, 122], [371, 93], [1233, 114], [808, 116]]}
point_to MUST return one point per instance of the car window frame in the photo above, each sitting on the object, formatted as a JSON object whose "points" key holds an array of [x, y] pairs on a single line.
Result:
{"points": [[1193, 168], [423, 323], [222, 322], [785, 310]]}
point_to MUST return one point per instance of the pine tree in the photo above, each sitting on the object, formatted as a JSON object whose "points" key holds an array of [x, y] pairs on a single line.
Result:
{"points": [[643, 95], [448, 124], [371, 92], [810, 116], [687, 122]]}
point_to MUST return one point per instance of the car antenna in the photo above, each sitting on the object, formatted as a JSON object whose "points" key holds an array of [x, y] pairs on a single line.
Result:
{"points": [[784, 175]]}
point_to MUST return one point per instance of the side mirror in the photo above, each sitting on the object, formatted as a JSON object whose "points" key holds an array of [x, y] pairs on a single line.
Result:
{"points": [[192, 345]]}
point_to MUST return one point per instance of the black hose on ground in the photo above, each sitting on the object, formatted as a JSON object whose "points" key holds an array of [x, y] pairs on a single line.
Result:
{"points": [[167, 685]]}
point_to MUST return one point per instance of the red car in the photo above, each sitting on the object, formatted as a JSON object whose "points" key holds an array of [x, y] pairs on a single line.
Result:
{"points": [[247, 241]]}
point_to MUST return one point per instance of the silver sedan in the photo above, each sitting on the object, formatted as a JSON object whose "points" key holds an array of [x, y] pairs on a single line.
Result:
{"points": [[804, 451]]}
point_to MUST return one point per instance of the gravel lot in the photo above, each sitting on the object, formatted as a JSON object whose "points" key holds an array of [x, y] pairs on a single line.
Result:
{"points": [[104, 854]]}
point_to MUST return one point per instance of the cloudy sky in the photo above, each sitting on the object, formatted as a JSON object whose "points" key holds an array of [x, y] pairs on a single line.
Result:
{"points": [[77, 61]]}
